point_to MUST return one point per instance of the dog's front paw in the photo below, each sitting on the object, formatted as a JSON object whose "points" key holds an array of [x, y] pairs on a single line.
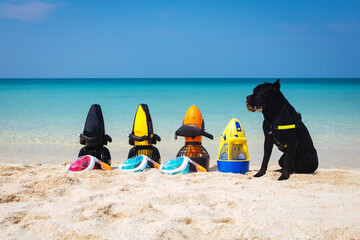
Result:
{"points": [[284, 176], [260, 173]]}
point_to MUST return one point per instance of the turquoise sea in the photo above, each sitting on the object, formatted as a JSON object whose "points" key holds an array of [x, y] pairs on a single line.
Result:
{"points": [[40, 118]]}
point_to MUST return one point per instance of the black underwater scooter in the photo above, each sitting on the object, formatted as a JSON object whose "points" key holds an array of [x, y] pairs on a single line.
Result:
{"points": [[94, 137]]}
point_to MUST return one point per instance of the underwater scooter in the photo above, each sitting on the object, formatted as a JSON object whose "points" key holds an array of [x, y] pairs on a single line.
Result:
{"points": [[233, 153], [94, 137], [193, 129], [142, 136]]}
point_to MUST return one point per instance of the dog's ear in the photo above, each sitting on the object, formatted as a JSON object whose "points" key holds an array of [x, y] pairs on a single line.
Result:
{"points": [[276, 85]]}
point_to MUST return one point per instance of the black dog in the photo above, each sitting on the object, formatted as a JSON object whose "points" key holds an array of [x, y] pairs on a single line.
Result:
{"points": [[283, 127]]}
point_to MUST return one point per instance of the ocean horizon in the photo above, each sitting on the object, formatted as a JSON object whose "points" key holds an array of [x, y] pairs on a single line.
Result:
{"points": [[42, 117]]}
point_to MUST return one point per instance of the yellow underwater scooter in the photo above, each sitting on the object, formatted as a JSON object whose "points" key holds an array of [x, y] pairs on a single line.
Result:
{"points": [[142, 135], [233, 151]]}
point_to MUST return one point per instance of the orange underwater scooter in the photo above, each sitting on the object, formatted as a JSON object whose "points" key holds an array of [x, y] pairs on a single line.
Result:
{"points": [[193, 129]]}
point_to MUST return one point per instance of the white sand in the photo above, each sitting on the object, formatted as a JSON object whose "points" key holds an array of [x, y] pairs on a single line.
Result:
{"points": [[43, 202]]}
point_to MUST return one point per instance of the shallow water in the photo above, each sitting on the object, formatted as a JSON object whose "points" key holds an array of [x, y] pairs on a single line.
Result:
{"points": [[42, 117]]}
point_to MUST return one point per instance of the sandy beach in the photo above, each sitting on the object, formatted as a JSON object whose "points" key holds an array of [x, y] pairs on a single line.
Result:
{"points": [[41, 201], [230, 77]]}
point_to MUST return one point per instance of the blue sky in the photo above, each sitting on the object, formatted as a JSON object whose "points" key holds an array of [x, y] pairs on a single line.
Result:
{"points": [[179, 38]]}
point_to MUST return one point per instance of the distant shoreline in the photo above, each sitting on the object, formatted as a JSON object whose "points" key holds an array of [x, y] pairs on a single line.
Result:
{"points": [[179, 80]]}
